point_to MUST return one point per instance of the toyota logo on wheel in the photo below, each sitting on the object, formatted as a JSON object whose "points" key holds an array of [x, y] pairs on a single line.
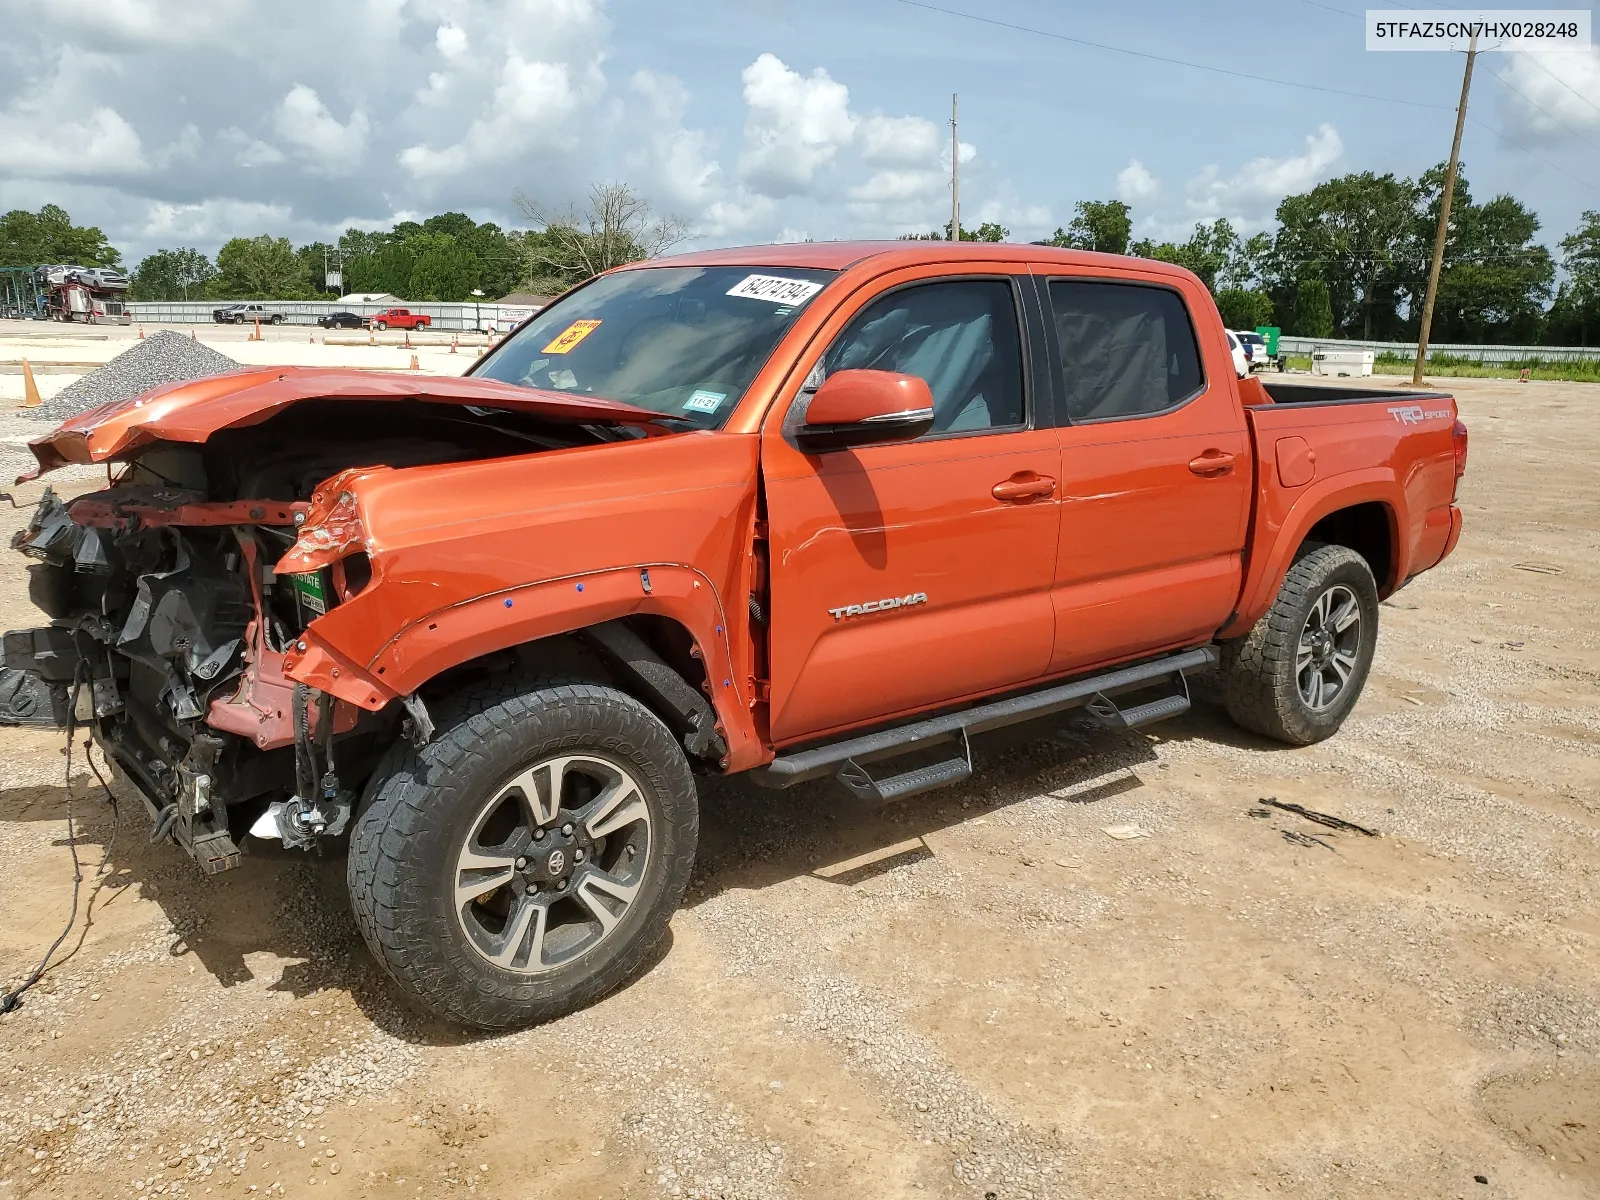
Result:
{"points": [[556, 861]]}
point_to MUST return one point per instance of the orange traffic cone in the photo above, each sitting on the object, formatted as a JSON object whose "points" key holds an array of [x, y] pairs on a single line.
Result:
{"points": [[141, 333], [192, 336], [256, 336], [408, 339], [455, 341], [372, 338], [415, 365], [1526, 375], [30, 389]]}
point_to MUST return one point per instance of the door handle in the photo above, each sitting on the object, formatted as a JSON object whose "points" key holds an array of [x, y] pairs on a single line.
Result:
{"points": [[1022, 487], [1212, 462]]}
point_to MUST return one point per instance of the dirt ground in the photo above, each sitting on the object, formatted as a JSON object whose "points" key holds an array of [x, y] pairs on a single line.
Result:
{"points": [[1009, 1003]]}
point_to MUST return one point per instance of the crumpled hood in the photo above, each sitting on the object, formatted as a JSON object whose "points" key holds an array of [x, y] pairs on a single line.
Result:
{"points": [[193, 411]]}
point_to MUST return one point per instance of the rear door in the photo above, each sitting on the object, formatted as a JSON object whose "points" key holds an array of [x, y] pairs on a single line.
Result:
{"points": [[1155, 469], [958, 528]]}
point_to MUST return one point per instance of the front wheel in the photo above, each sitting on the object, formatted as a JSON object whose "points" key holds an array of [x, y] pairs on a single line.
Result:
{"points": [[380, 325], [1298, 673], [526, 860]]}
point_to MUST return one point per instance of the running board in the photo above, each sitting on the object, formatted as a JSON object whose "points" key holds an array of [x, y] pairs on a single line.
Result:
{"points": [[859, 783], [1104, 709], [853, 754]]}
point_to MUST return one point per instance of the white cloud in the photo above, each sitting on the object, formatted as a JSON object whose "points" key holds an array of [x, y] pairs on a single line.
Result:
{"points": [[1560, 94], [249, 151], [304, 121], [1135, 184], [898, 141], [532, 109], [794, 125], [102, 143], [1251, 194], [451, 41]]}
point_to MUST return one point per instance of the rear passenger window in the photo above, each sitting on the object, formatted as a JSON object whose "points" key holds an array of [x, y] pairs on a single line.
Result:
{"points": [[959, 335], [1126, 350]]}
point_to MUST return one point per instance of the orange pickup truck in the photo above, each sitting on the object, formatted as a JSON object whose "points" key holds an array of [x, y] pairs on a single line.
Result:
{"points": [[822, 510]]}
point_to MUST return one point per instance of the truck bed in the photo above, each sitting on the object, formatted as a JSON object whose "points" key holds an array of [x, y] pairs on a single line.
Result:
{"points": [[1283, 392]]}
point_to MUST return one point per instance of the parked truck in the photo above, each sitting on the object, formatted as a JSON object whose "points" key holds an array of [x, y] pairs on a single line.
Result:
{"points": [[797, 512], [400, 318]]}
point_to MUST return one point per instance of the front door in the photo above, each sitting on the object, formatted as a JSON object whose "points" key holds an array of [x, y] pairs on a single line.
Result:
{"points": [[907, 575], [1155, 474]]}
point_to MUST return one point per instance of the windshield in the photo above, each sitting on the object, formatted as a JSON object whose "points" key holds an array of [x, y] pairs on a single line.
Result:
{"points": [[681, 341]]}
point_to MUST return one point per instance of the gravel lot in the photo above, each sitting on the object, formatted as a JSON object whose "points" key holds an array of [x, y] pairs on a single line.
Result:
{"points": [[1011, 1003]]}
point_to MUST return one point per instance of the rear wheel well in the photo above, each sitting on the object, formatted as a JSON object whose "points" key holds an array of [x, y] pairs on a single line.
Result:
{"points": [[1365, 528]]}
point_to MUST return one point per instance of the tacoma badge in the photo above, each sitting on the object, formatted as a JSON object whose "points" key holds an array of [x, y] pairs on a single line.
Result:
{"points": [[872, 606]]}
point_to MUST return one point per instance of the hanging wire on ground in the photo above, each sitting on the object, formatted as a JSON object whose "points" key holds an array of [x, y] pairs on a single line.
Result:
{"points": [[12, 999]]}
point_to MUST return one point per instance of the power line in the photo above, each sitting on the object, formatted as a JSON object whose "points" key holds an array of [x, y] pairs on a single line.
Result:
{"points": [[1160, 58]]}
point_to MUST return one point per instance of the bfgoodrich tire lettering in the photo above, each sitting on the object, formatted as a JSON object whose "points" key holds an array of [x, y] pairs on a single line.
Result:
{"points": [[1298, 673], [428, 806]]}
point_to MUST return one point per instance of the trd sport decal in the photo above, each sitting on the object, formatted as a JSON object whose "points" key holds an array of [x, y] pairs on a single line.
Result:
{"points": [[872, 606]]}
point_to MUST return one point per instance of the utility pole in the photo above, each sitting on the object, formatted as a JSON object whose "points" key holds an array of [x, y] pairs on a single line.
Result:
{"points": [[1444, 219], [955, 174]]}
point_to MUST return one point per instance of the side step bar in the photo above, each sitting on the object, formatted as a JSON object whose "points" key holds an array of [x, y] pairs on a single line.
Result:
{"points": [[847, 758]]}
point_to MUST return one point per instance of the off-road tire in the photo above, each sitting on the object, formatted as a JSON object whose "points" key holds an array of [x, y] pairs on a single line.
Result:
{"points": [[416, 814], [1257, 672]]}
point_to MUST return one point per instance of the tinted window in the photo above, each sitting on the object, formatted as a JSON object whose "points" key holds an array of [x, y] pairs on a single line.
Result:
{"points": [[683, 341], [960, 336], [1126, 350]]}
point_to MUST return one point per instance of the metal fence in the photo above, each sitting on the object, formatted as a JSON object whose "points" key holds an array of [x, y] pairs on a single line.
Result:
{"points": [[449, 317], [1483, 354]]}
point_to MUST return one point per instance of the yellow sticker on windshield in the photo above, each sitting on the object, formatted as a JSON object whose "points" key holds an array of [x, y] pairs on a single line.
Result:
{"points": [[571, 336]]}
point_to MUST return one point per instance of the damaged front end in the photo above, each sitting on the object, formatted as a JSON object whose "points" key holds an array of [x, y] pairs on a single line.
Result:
{"points": [[180, 596], [167, 638]]}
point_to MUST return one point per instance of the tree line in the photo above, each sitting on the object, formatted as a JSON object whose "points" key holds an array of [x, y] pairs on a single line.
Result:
{"points": [[1349, 258]]}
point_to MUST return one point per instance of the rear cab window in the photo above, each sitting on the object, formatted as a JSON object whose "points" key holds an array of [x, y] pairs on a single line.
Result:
{"points": [[1124, 349]]}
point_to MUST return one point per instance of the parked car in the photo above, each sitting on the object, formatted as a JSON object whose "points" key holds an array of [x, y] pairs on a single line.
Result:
{"points": [[400, 318], [105, 279], [1255, 348], [792, 511], [245, 314], [1241, 360], [342, 320]]}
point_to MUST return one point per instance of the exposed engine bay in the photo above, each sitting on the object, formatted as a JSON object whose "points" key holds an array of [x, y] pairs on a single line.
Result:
{"points": [[169, 625]]}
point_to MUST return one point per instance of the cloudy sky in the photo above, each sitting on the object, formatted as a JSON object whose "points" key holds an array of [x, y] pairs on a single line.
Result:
{"points": [[171, 122]]}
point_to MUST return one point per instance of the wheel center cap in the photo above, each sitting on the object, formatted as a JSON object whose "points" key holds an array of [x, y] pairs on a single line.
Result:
{"points": [[557, 862]]}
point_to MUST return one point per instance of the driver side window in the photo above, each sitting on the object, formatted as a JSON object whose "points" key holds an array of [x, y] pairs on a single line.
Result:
{"points": [[959, 336]]}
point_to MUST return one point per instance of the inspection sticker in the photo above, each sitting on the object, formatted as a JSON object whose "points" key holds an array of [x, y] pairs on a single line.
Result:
{"points": [[571, 336], [775, 289], [705, 402]]}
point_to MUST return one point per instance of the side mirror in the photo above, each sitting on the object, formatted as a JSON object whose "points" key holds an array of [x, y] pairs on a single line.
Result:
{"points": [[862, 408]]}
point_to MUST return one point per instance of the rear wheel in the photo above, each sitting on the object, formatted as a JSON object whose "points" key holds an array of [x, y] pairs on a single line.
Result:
{"points": [[1298, 673], [526, 860]]}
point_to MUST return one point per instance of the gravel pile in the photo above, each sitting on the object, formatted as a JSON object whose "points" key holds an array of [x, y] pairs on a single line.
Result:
{"points": [[163, 357]]}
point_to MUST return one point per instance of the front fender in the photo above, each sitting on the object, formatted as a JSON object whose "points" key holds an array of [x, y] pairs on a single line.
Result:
{"points": [[1285, 516], [513, 616]]}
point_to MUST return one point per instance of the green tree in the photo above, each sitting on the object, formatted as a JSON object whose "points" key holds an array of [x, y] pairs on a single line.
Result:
{"points": [[49, 236], [1577, 306], [1243, 308], [443, 271], [180, 274], [1495, 280], [259, 268], [989, 231], [1312, 315], [1356, 234], [1103, 225], [1210, 251]]}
